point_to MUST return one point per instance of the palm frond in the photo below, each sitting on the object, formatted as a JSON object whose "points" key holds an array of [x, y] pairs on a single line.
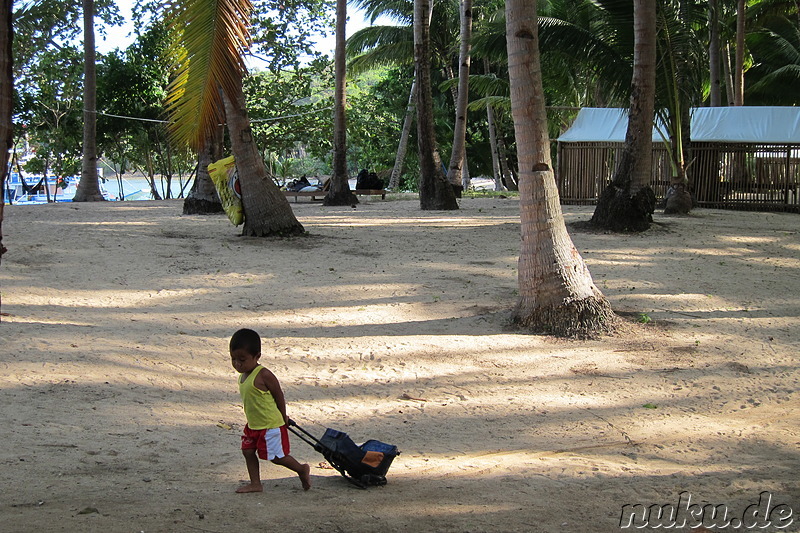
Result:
{"points": [[373, 37], [401, 11], [379, 46], [213, 35], [582, 45], [497, 102], [489, 40], [775, 76]]}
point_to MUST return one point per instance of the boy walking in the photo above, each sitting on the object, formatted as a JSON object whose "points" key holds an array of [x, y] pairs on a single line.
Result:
{"points": [[265, 435]]}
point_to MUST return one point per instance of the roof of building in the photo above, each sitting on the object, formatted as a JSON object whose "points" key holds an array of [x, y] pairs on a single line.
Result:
{"points": [[768, 125]]}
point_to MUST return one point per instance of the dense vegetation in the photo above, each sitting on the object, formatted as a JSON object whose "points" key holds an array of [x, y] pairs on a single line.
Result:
{"points": [[586, 61]]}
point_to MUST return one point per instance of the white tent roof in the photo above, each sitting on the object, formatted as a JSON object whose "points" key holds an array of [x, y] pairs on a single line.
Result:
{"points": [[768, 125]]}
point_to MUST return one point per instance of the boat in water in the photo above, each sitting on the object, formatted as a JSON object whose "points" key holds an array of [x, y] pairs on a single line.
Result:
{"points": [[36, 190]]}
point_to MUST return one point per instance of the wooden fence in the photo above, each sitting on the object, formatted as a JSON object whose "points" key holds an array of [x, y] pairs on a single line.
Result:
{"points": [[726, 176]]}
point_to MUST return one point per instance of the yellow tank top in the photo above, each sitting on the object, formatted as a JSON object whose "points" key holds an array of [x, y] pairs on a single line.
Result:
{"points": [[260, 408]]}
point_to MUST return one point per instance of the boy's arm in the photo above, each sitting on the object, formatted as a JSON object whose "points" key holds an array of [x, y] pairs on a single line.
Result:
{"points": [[270, 383]]}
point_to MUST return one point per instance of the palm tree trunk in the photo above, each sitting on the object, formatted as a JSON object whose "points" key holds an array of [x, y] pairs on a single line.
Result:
{"points": [[151, 176], [498, 181], [435, 192], [738, 82], [203, 198], [713, 54], [507, 170], [339, 192], [627, 204], [726, 69], [89, 185], [266, 210], [402, 146], [6, 101], [557, 295], [457, 156]]}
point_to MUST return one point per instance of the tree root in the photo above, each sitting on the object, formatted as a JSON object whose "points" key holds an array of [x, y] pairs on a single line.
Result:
{"points": [[583, 319]]}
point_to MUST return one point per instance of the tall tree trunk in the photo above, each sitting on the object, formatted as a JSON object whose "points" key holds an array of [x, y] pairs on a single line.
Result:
{"points": [[713, 54], [726, 69], [151, 176], [457, 156], [402, 146], [627, 204], [738, 82], [435, 191], [89, 185], [44, 181], [507, 169], [6, 102], [557, 295], [679, 200], [496, 173], [339, 192], [266, 210], [203, 198]]}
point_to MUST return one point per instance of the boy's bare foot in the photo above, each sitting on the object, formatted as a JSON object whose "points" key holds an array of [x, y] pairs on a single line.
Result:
{"points": [[305, 476], [250, 487]]}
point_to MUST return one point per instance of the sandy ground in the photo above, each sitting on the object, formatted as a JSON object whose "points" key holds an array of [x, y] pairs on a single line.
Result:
{"points": [[120, 411]]}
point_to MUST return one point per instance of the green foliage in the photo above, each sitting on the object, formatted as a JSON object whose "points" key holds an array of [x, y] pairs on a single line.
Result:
{"points": [[49, 111], [131, 91], [290, 111], [43, 26], [283, 30], [376, 107], [775, 75]]}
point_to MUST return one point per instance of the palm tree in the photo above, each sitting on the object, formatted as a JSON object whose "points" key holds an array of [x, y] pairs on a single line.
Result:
{"points": [[715, 81], [395, 45], [387, 44], [435, 191], [775, 75], [627, 204], [89, 185], [557, 295], [402, 145], [457, 169], [606, 44], [6, 99], [202, 198], [208, 91], [339, 192], [738, 77], [680, 79]]}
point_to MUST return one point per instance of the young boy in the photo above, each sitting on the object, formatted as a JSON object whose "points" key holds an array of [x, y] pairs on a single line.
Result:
{"points": [[265, 434]]}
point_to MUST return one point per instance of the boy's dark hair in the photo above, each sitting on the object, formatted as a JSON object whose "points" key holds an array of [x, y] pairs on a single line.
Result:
{"points": [[247, 339]]}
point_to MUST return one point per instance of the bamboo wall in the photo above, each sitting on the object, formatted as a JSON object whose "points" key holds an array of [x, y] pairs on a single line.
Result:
{"points": [[726, 176]]}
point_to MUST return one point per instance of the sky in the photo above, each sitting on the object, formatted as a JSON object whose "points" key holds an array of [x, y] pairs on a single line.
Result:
{"points": [[120, 36]]}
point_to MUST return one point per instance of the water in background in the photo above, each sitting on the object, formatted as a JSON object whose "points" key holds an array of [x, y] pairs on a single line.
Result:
{"points": [[137, 188]]}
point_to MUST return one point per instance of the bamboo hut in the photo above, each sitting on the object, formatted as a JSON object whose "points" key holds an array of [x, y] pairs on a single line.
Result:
{"points": [[740, 157]]}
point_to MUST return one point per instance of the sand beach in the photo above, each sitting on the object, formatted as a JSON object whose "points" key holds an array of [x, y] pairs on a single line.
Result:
{"points": [[121, 414]]}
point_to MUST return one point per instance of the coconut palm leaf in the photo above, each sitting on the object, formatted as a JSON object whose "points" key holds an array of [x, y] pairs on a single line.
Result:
{"points": [[400, 11], [378, 46], [212, 36], [489, 38], [496, 102], [775, 75]]}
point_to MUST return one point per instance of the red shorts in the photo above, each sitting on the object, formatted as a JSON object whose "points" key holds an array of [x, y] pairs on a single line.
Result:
{"points": [[269, 443]]}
